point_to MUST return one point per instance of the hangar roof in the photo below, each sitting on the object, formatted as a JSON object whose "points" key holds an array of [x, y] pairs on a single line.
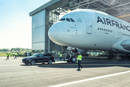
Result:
{"points": [[118, 8], [50, 3]]}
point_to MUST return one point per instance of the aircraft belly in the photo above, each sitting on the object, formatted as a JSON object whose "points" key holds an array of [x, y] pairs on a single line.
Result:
{"points": [[87, 43], [93, 43]]}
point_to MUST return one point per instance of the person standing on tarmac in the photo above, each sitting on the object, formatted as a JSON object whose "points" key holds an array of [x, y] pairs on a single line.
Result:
{"points": [[60, 56], [7, 56], [79, 59]]}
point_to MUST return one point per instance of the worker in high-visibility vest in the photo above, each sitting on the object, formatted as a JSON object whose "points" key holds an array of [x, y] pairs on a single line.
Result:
{"points": [[61, 56], [79, 59]]}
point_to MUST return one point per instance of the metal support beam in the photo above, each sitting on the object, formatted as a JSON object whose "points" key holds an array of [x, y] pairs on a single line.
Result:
{"points": [[47, 45]]}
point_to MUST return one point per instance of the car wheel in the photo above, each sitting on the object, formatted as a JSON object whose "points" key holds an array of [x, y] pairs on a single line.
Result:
{"points": [[32, 62], [26, 63], [50, 62]]}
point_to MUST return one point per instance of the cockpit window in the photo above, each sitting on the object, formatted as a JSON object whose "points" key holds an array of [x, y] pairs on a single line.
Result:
{"points": [[67, 19], [62, 19]]}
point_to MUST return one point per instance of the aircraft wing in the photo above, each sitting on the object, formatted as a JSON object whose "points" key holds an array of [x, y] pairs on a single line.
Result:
{"points": [[122, 45]]}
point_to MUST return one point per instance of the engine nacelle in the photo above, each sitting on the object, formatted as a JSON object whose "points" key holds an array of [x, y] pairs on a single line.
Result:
{"points": [[126, 44], [123, 45]]}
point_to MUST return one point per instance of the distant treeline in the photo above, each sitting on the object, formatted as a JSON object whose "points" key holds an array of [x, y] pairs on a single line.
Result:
{"points": [[15, 52], [14, 49], [4, 50], [19, 52]]}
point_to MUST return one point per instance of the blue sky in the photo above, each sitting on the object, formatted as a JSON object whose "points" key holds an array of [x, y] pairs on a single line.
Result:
{"points": [[15, 22]]}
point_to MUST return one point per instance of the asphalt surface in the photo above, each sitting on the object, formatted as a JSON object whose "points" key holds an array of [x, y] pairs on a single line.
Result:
{"points": [[15, 74]]}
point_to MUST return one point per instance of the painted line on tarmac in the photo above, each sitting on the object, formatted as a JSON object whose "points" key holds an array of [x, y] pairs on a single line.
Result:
{"points": [[90, 79]]}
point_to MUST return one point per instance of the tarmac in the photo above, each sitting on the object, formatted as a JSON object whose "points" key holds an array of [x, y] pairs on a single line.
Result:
{"points": [[111, 73]]}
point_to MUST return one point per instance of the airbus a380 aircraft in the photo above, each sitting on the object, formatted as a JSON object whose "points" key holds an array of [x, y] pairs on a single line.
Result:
{"points": [[91, 29]]}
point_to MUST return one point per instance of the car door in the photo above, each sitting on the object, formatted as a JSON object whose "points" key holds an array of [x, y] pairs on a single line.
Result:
{"points": [[45, 58], [40, 58]]}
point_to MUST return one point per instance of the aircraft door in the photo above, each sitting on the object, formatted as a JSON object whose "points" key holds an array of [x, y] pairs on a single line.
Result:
{"points": [[89, 25], [76, 28], [72, 29], [74, 25], [89, 29]]}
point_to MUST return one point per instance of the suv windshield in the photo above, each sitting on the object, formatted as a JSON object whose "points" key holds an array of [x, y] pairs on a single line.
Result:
{"points": [[36, 54]]}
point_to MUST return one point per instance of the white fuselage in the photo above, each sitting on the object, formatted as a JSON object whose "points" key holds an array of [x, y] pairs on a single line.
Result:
{"points": [[91, 29]]}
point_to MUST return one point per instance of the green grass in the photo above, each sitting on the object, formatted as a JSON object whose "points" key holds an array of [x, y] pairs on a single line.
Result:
{"points": [[3, 54]]}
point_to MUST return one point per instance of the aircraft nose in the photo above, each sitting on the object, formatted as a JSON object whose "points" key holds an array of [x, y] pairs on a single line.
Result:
{"points": [[55, 34], [52, 33]]}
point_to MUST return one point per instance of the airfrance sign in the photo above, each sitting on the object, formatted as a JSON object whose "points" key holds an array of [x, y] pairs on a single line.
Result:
{"points": [[112, 23]]}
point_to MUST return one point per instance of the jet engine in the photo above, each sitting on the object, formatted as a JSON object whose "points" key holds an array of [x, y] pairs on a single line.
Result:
{"points": [[123, 46]]}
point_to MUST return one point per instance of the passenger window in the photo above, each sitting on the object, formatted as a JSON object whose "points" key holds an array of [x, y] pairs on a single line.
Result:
{"points": [[72, 20], [68, 19]]}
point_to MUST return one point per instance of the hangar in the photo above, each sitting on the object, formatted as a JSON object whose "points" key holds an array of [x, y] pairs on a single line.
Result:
{"points": [[49, 13]]}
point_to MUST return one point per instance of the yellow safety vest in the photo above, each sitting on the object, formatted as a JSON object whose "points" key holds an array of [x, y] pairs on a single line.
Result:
{"points": [[60, 55], [79, 57]]}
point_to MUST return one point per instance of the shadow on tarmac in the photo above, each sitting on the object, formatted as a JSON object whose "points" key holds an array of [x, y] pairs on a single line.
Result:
{"points": [[84, 65], [88, 64]]}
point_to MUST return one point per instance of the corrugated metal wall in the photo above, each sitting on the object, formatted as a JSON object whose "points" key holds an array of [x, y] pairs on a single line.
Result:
{"points": [[38, 31]]}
